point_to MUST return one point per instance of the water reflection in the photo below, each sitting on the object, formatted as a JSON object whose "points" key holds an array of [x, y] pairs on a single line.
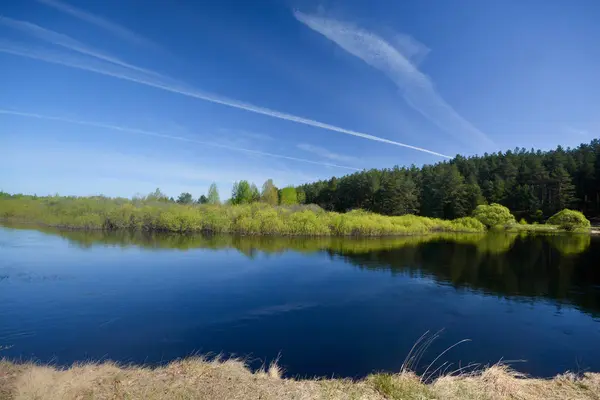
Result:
{"points": [[343, 306], [494, 242], [550, 267], [558, 267]]}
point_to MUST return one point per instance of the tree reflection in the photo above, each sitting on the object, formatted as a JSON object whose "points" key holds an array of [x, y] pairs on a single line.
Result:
{"points": [[560, 267]]}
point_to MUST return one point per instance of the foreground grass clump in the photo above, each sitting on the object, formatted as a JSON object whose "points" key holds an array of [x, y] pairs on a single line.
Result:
{"points": [[198, 378], [250, 219], [569, 220]]}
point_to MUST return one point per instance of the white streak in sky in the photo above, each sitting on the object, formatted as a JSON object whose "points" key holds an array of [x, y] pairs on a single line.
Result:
{"points": [[418, 90], [166, 136], [321, 152], [67, 42], [109, 26], [174, 87]]}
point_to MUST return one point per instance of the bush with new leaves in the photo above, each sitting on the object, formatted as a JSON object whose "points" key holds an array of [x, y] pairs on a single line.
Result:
{"points": [[468, 224], [569, 220], [249, 219], [493, 215]]}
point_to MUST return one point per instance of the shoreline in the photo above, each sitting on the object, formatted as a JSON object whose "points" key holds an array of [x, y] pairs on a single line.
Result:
{"points": [[512, 229], [34, 224], [231, 380]]}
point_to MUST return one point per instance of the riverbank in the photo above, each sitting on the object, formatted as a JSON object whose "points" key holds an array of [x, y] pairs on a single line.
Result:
{"points": [[101, 213], [199, 379]]}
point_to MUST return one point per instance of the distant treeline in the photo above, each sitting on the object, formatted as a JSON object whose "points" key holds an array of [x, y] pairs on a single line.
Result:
{"points": [[243, 192], [532, 184]]}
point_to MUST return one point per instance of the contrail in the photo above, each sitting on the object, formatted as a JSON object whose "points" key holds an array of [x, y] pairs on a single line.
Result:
{"points": [[105, 24], [60, 39], [398, 63], [7, 47], [165, 136]]}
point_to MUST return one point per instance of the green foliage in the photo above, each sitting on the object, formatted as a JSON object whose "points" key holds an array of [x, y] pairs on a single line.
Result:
{"points": [[269, 193], [493, 215], [254, 193], [256, 218], [288, 196], [529, 228], [569, 220], [157, 195], [301, 195], [185, 198], [468, 224], [445, 193], [522, 221], [242, 193], [532, 183], [202, 199], [213, 195], [398, 196]]}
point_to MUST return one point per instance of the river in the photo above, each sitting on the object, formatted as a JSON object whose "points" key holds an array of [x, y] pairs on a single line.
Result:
{"points": [[322, 307]]}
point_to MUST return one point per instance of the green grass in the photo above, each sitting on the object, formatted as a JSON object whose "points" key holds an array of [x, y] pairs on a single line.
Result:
{"points": [[95, 213], [400, 387]]}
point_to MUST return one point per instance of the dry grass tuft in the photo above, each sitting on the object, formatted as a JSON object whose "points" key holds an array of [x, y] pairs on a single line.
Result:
{"points": [[8, 377], [499, 382], [198, 378]]}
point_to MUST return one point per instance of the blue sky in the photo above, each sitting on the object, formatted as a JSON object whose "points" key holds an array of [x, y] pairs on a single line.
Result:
{"points": [[119, 97]]}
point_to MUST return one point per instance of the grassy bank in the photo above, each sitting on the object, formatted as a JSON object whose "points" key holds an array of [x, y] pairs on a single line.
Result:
{"points": [[254, 219], [231, 380], [103, 213]]}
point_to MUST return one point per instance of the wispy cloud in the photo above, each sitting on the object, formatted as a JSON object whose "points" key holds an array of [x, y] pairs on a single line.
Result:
{"points": [[395, 62], [171, 137], [411, 48], [170, 85], [324, 153], [107, 25], [67, 42]]}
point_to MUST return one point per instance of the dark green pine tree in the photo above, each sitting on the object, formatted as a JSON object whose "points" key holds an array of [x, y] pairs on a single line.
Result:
{"points": [[398, 195], [564, 192], [534, 184]]}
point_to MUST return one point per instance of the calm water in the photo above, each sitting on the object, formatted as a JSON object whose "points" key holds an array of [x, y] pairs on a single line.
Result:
{"points": [[324, 306]]}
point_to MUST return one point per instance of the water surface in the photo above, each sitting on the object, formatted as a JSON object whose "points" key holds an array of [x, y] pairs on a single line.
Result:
{"points": [[343, 307]]}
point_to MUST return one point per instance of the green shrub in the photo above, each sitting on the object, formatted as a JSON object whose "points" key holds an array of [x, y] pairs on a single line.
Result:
{"points": [[307, 223], [523, 221], [569, 220], [493, 215], [468, 224], [93, 213]]}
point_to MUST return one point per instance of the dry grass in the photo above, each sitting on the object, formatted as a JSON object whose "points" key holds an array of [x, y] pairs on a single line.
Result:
{"points": [[200, 379], [499, 382]]}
